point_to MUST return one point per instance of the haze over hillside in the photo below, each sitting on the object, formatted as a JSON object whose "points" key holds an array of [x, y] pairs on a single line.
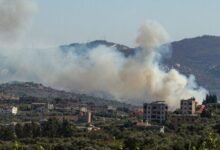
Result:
{"points": [[108, 69], [28, 91], [198, 56]]}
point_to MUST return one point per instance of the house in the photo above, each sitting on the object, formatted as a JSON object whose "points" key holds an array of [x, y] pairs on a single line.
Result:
{"points": [[155, 111], [200, 109], [138, 112], [189, 113], [14, 110], [50, 106], [9, 110], [111, 108], [188, 106], [89, 117], [85, 117]]}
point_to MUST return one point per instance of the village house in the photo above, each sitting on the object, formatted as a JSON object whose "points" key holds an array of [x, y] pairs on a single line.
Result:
{"points": [[189, 113], [9, 110], [188, 106], [155, 111]]}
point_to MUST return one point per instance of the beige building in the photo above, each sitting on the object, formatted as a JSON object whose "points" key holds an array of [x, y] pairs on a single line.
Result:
{"points": [[188, 113], [89, 117], [155, 111], [188, 107]]}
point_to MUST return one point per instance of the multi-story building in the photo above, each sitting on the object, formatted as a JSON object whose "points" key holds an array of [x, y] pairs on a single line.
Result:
{"points": [[155, 111], [188, 107], [189, 113]]}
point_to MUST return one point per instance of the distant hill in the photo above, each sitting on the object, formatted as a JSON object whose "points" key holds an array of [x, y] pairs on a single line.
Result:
{"points": [[14, 90], [82, 47], [199, 56], [30, 89]]}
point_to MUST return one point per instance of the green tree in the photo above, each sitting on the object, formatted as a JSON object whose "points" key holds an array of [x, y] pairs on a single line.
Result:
{"points": [[66, 129], [210, 99], [27, 130], [36, 131], [17, 146], [19, 131], [133, 143], [7, 133], [51, 128], [40, 147]]}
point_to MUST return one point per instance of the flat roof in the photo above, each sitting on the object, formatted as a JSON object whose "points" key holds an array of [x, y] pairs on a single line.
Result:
{"points": [[157, 102]]}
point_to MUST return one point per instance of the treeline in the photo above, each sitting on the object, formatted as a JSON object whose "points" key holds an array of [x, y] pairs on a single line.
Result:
{"points": [[51, 129], [63, 135], [210, 98]]}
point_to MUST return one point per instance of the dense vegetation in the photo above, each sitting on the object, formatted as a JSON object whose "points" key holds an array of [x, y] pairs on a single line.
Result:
{"points": [[210, 99], [63, 135]]}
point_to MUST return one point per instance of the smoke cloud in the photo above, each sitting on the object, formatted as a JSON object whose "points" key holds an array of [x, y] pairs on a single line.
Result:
{"points": [[151, 35], [106, 70], [13, 17]]}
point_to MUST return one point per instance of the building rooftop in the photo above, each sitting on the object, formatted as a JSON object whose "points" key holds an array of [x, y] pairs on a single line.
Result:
{"points": [[158, 102], [190, 99]]}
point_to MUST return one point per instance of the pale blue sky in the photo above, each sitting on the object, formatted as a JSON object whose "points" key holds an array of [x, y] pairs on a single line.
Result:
{"points": [[67, 21]]}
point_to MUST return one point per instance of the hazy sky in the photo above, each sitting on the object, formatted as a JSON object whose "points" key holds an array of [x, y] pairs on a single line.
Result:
{"points": [[67, 21]]}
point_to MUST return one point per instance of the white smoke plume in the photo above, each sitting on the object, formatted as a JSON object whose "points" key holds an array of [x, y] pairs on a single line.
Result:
{"points": [[152, 35], [140, 77], [14, 15]]}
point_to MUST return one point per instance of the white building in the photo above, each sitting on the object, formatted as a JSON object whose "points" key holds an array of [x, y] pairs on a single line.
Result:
{"points": [[155, 111], [89, 119], [50, 106], [14, 110], [9, 110]]}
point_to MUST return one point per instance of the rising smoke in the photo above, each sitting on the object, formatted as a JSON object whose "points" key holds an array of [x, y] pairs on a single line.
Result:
{"points": [[13, 17], [98, 70]]}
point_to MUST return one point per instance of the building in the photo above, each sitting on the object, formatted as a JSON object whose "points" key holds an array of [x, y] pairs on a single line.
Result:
{"points": [[188, 107], [189, 113], [111, 108], [155, 111], [50, 106], [139, 112], [9, 110], [89, 117], [14, 110], [85, 117], [178, 119]]}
